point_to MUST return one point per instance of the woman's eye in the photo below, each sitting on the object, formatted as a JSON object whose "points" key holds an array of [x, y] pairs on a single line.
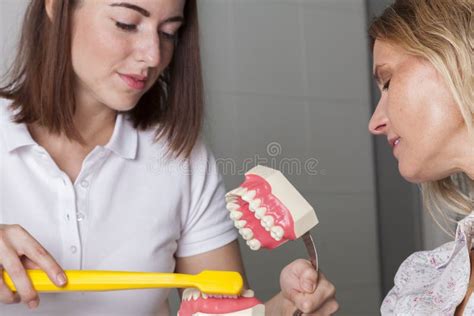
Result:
{"points": [[126, 27], [386, 85], [169, 36]]}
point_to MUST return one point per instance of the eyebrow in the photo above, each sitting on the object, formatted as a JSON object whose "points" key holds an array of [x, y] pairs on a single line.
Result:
{"points": [[377, 74], [146, 13], [132, 7], [177, 18]]}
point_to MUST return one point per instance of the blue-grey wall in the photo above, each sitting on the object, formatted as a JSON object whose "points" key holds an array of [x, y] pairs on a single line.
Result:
{"points": [[288, 81]]}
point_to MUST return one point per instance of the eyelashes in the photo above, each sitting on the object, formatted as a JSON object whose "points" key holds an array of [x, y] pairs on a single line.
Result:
{"points": [[386, 85], [132, 28], [126, 27]]}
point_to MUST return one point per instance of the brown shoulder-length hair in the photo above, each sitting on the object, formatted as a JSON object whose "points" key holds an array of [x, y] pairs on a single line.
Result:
{"points": [[40, 82]]}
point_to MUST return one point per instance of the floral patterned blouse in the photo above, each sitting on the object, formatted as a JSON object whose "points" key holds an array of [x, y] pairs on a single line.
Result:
{"points": [[434, 282]]}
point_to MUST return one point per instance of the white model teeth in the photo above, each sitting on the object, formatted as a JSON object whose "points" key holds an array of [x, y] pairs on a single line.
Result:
{"points": [[254, 204], [241, 191], [191, 294], [235, 215], [187, 294], [240, 224], [238, 191], [254, 244], [277, 233], [232, 206], [249, 196], [222, 296], [248, 293], [267, 222], [246, 233], [229, 198], [260, 212]]}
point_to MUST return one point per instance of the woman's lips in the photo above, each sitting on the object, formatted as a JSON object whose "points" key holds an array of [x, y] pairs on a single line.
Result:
{"points": [[394, 141], [134, 82], [395, 145]]}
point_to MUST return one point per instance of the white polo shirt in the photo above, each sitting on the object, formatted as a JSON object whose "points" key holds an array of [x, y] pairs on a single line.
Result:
{"points": [[130, 209]]}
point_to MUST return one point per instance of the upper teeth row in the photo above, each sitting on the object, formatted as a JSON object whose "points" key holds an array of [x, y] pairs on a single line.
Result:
{"points": [[194, 294], [267, 221]]}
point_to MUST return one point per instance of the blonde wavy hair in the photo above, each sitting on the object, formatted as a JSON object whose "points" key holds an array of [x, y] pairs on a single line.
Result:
{"points": [[441, 31]]}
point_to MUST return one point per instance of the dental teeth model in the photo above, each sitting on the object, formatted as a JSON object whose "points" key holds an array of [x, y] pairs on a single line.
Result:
{"points": [[268, 210], [195, 303]]}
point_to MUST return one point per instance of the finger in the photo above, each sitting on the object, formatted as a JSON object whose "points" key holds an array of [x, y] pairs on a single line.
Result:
{"points": [[308, 279], [28, 264], [29, 247], [324, 292], [330, 307], [291, 277], [12, 265], [300, 266], [6, 295]]}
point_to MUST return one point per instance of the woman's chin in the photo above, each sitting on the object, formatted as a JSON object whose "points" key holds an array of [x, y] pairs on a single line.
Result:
{"points": [[121, 104], [411, 173]]}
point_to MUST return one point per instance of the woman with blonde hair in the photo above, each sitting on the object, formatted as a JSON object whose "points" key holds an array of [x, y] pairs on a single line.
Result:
{"points": [[423, 64]]}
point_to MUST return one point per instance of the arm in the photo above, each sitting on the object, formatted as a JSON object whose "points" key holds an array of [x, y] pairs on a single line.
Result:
{"points": [[228, 258]]}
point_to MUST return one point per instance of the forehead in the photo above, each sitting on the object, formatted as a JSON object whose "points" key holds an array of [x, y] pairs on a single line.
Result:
{"points": [[156, 8], [387, 53]]}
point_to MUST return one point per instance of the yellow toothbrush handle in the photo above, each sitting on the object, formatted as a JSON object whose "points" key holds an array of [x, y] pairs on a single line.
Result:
{"points": [[211, 282]]}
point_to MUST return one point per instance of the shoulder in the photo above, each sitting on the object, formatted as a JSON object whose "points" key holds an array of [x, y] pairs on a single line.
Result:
{"points": [[5, 118], [4, 110], [429, 282], [160, 147], [422, 266], [158, 156]]}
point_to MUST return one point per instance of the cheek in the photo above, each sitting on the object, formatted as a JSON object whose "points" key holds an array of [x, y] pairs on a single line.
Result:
{"points": [[425, 150], [95, 51]]}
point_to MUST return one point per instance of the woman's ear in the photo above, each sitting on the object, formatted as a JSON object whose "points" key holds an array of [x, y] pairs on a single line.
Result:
{"points": [[48, 4]]}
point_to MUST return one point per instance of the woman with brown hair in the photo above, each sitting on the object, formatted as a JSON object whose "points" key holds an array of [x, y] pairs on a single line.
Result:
{"points": [[101, 163], [424, 67]]}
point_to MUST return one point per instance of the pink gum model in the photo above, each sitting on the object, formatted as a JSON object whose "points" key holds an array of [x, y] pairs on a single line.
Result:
{"points": [[195, 303]]}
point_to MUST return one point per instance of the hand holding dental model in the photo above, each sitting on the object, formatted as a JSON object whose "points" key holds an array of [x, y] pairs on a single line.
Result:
{"points": [[268, 211]]}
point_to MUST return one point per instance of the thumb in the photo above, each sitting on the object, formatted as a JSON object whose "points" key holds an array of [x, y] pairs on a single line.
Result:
{"points": [[298, 277], [308, 279]]}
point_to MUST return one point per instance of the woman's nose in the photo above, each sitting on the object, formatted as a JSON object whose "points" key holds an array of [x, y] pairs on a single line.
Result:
{"points": [[378, 123], [150, 51]]}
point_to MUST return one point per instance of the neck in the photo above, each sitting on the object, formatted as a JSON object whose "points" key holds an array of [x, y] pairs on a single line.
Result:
{"points": [[465, 160], [95, 125]]}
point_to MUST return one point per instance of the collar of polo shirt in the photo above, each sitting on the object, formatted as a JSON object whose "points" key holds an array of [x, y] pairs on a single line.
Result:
{"points": [[124, 140]]}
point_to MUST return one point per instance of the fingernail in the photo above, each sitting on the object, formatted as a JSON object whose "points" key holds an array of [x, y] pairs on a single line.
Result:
{"points": [[33, 304], [308, 286], [61, 278]]}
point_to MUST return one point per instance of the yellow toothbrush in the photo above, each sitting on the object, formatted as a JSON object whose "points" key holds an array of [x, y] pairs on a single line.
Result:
{"points": [[210, 282]]}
